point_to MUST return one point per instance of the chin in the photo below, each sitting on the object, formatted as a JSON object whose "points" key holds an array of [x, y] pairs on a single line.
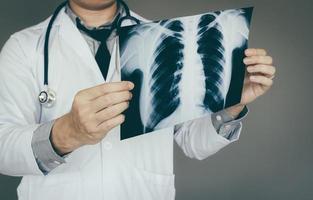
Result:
{"points": [[95, 4]]}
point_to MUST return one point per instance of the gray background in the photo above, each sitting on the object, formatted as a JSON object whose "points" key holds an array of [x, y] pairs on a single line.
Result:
{"points": [[273, 159]]}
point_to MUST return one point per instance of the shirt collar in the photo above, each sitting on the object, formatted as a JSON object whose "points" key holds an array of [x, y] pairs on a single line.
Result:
{"points": [[73, 16]]}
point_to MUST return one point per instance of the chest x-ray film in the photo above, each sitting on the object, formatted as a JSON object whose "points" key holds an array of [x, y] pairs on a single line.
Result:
{"points": [[183, 68]]}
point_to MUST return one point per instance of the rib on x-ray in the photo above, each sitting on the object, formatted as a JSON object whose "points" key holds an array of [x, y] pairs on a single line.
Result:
{"points": [[183, 68]]}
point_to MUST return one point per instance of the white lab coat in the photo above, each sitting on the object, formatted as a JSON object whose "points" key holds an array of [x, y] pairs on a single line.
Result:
{"points": [[136, 168]]}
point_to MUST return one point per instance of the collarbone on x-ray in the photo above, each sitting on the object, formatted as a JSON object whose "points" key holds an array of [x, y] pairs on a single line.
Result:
{"points": [[185, 65]]}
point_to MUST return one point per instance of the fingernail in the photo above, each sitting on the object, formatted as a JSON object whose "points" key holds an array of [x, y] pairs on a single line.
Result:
{"points": [[249, 69], [252, 78], [246, 60], [130, 85]]}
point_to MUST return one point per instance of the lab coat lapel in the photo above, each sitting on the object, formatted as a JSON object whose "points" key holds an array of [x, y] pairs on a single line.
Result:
{"points": [[114, 72], [74, 39]]}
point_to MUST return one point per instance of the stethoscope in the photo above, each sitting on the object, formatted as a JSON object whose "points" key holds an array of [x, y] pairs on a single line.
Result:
{"points": [[47, 96]]}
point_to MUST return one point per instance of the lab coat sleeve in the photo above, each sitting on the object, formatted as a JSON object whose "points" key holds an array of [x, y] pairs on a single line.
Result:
{"points": [[46, 156], [199, 139], [19, 111], [226, 125]]}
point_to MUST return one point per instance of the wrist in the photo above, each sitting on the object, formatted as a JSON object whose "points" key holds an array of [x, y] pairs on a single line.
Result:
{"points": [[235, 110], [63, 135]]}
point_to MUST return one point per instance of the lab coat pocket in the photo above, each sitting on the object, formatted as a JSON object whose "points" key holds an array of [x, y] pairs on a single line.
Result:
{"points": [[61, 186], [150, 185]]}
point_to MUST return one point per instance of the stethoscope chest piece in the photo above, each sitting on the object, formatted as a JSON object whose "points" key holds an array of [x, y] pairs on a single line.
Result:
{"points": [[47, 97]]}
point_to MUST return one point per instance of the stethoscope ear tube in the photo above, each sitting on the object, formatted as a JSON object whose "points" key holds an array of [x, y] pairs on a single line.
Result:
{"points": [[46, 45], [126, 17]]}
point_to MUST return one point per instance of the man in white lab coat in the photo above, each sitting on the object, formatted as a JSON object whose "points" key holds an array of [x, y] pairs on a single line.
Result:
{"points": [[73, 150]]}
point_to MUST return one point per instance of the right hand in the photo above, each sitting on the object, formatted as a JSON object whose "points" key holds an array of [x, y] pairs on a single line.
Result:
{"points": [[95, 111]]}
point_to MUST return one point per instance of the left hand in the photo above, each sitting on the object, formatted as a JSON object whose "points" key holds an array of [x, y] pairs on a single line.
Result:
{"points": [[258, 79]]}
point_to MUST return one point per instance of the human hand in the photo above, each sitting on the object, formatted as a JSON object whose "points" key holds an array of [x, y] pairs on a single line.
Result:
{"points": [[95, 111], [258, 79]]}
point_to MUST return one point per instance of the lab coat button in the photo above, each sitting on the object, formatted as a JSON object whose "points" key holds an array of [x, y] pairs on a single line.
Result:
{"points": [[218, 118], [107, 145]]}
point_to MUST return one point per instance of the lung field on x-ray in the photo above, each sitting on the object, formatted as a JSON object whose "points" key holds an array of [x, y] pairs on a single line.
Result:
{"points": [[166, 74], [183, 68], [212, 51]]}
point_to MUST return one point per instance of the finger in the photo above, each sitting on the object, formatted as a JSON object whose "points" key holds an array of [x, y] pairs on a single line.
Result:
{"points": [[102, 89], [272, 77], [255, 52], [112, 111], [260, 74], [261, 80], [110, 99], [267, 70], [111, 123], [253, 60]]}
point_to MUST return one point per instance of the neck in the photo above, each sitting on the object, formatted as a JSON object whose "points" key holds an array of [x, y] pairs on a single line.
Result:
{"points": [[94, 16]]}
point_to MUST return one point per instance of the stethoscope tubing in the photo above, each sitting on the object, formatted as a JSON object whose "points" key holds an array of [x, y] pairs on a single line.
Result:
{"points": [[47, 37]]}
